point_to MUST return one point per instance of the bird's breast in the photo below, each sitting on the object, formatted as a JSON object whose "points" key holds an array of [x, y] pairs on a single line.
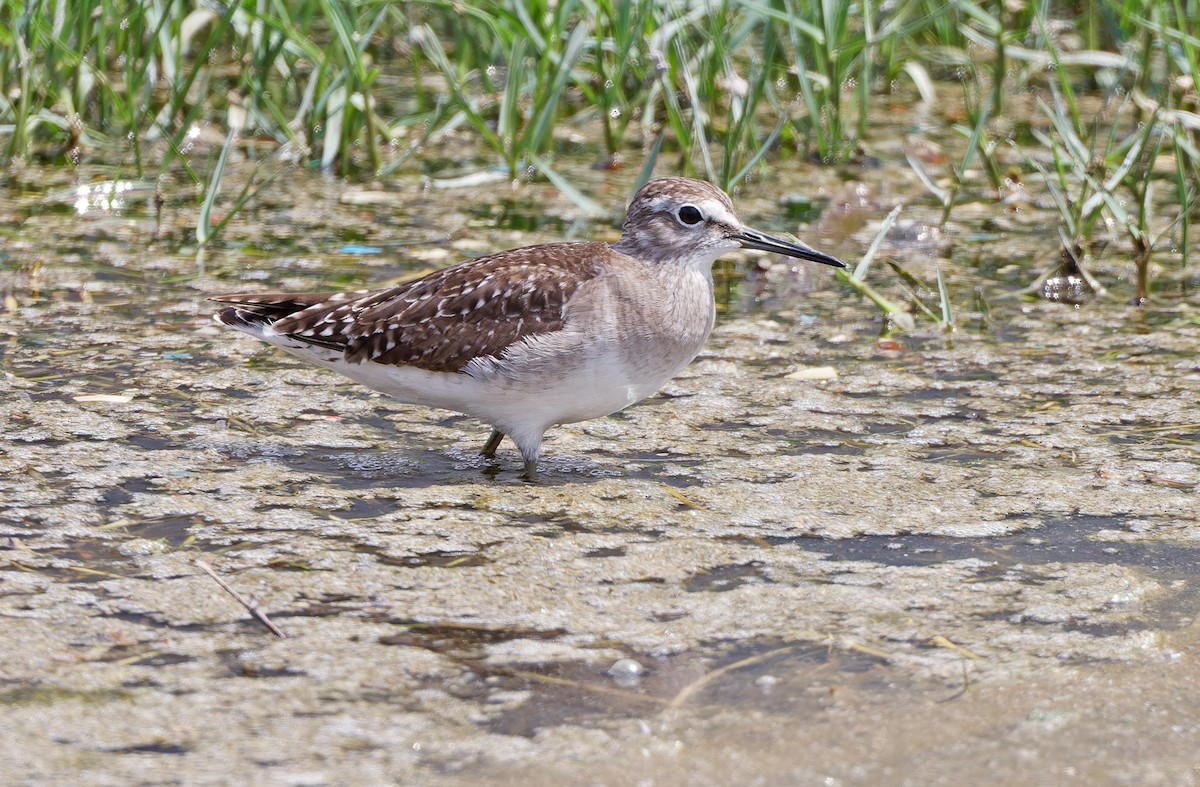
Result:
{"points": [[643, 327]]}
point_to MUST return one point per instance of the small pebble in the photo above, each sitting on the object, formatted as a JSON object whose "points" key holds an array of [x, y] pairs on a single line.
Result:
{"points": [[813, 373], [108, 398]]}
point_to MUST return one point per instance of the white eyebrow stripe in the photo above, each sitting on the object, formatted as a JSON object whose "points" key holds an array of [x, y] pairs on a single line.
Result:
{"points": [[715, 211]]}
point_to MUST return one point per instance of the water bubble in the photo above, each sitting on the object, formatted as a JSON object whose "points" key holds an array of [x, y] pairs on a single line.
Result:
{"points": [[626, 672], [766, 682]]}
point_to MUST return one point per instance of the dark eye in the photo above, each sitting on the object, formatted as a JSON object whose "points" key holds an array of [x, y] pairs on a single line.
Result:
{"points": [[690, 214]]}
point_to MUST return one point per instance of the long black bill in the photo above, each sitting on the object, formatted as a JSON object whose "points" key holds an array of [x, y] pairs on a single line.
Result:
{"points": [[753, 239]]}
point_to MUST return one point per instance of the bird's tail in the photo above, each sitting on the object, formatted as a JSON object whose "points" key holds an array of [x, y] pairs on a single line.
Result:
{"points": [[253, 312]]}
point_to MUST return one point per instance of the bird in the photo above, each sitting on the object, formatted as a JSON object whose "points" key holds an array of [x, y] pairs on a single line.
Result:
{"points": [[534, 337]]}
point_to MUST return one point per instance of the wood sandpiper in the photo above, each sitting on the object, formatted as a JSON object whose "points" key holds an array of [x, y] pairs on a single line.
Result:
{"points": [[533, 337]]}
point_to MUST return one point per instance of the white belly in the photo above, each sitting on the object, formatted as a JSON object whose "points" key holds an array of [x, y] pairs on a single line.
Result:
{"points": [[535, 389]]}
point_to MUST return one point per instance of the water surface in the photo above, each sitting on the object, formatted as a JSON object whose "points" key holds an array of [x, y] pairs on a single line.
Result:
{"points": [[965, 554]]}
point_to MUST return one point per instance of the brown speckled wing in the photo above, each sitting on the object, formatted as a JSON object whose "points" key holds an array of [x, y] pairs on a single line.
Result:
{"points": [[440, 321]]}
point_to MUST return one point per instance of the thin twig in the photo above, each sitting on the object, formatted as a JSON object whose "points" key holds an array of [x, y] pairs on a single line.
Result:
{"points": [[943, 642], [966, 684], [594, 688], [258, 614], [692, 688]]}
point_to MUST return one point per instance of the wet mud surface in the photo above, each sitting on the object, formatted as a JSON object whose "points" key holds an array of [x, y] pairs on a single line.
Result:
{"points": [[964, 556]]}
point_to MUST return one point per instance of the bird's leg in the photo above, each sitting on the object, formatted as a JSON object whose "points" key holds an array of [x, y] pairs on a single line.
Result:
{"points": [[530, 445], [493, 442]]}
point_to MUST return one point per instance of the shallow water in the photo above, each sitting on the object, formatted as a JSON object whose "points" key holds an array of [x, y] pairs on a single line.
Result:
{"points": [[965, 555]]}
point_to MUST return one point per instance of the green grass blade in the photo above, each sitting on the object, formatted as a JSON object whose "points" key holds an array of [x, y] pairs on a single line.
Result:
{"points": [[648, 165], [944, 296], [757, 157], [581, 200], [204, 228], [864, 265]]}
